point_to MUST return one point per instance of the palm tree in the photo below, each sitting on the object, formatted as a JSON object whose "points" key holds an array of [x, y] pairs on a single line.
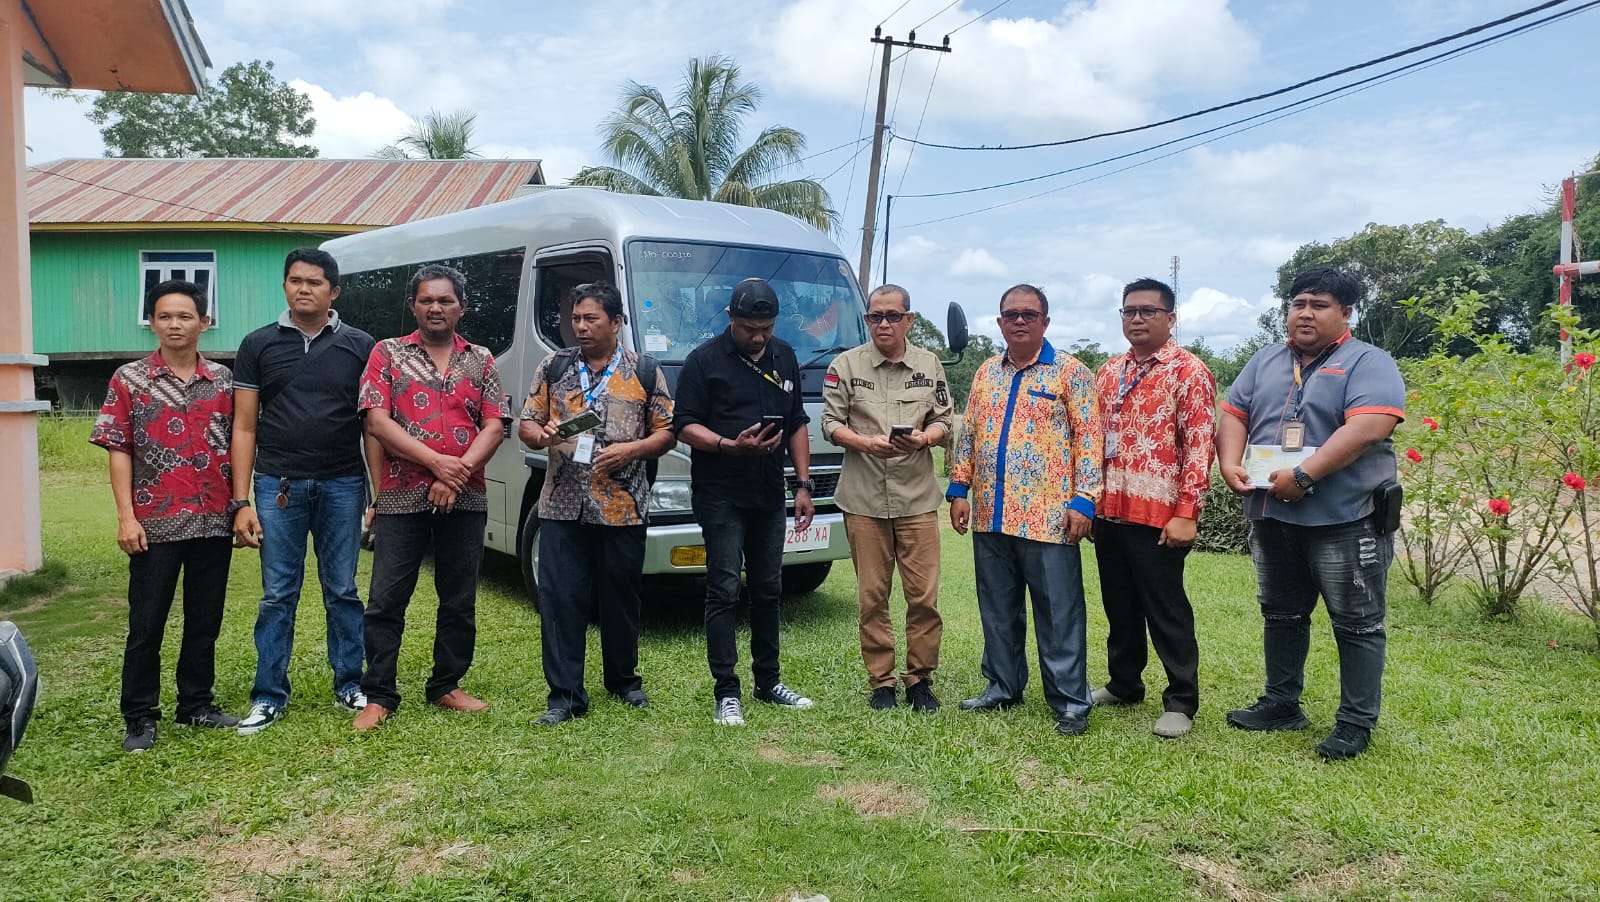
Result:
{"points": [[438, 136], [690, 149]]}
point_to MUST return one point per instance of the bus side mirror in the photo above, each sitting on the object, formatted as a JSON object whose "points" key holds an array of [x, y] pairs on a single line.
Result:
{"points": [[955, 330]]}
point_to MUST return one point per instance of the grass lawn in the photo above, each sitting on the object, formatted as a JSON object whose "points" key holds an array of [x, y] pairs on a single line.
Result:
{"points": [[1481, 782]]}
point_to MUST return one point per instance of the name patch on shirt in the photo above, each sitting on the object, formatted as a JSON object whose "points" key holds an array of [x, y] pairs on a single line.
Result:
{"points": [[919, 380], [862, 383]]}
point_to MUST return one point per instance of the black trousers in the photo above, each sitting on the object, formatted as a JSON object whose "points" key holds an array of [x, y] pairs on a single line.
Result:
{"points": [[401, 542], [1141, 585], [579, 561], [152, 583], [749, 540]]}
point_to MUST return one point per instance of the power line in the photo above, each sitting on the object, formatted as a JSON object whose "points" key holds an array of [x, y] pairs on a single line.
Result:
{"points": [[1280, 91], [982, 15], [934, 16], [1353, 88], [861, 128], [1424, 63], [896, 9], [925, 101]]}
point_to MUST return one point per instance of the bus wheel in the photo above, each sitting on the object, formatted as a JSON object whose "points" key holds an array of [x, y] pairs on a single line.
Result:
{"points": [[528, 553], [803, 579]]}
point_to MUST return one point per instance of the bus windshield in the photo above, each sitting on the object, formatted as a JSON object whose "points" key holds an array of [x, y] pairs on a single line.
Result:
{"points": [[680, 293]]}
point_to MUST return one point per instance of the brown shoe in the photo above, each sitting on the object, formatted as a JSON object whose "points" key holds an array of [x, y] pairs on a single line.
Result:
{"points": [[370, 717], [458, 700]]}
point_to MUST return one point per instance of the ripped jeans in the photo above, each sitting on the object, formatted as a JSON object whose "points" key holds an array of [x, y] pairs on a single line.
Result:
{"points": [[1348, 565]]}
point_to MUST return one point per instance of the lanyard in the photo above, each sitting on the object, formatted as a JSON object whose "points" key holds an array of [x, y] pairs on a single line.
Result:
{"points": [[1124, 387], [589, 394], [1300, 383], [763, 373]]}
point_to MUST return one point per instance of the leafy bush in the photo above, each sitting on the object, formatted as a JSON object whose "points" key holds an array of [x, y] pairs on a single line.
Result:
{"points": [[1223, 525], [1498, 452]]}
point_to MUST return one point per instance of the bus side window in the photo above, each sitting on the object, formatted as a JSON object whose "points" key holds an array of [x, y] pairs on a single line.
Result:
{"points": [[552, 308]]}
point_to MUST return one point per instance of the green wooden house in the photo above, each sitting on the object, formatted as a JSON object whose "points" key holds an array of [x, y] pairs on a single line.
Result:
{"points": [[105, 230]]}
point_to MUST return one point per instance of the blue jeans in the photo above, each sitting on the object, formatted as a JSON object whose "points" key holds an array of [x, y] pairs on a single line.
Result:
{"points": [[1052, 573], [1348, 565], [330, 510], [749, 539]]}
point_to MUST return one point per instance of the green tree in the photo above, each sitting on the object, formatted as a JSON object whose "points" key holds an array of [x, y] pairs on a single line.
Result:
{"points": [[247, 113], [436, 136], [924, 334], [1089, 353], [690, 148], [1393, 264]]}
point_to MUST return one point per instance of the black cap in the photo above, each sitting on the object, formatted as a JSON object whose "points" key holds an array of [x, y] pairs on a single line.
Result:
{"points": [[753, 299]]}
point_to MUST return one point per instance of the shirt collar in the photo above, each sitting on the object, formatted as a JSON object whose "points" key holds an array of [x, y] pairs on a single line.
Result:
{"points": [[1334, 344], [1047, 356], [158, 366], [1161, 354], [876, 359], [285, 321], [458, 346]]}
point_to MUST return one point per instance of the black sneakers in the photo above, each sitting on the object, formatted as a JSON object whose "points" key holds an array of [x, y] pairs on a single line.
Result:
{"points": [[883, 698], [141, 735], [211, 717], [920, 696], [1265, 715], [782, 696], [1346, 741]]}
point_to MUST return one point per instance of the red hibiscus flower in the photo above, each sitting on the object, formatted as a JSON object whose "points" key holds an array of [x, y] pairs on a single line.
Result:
{"points": [[1415, 456], [1583, 361], [1431, 423], [1499, 507], [1574, 482]]}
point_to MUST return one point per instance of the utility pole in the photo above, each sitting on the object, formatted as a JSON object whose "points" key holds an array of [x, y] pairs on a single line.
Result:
{"points": [[869, 225], [1174, 277]]}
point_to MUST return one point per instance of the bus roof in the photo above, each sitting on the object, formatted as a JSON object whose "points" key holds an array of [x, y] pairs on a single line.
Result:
{"points": [[565, 215]]}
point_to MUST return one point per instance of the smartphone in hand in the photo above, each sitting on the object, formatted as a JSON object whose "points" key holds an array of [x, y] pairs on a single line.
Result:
{"points": [[901, 431], [579, 424], [772, 420]]}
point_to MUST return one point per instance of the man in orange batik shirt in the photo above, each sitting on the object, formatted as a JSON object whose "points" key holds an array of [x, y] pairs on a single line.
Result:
{"points": [[1158, 403]]}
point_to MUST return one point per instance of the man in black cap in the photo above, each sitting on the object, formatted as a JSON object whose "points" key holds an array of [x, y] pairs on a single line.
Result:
{"points": [[738, 405]]}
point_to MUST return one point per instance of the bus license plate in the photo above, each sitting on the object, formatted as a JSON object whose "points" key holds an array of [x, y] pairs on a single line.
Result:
{"points": [[811, 538]]}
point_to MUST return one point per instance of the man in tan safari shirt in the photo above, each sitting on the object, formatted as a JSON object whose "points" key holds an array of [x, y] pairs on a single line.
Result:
{"points": [[886, 403]]}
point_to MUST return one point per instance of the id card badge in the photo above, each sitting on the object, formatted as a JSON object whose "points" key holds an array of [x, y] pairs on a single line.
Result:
{"points": [[1294, 436], [584, 453], [1111, 444]]}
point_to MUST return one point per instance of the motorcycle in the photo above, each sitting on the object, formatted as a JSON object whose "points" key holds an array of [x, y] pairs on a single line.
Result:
{"points": [[19, 689]]}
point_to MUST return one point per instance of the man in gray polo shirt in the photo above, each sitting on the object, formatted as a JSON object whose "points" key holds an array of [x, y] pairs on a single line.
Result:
{"points": [[1321, 408]]}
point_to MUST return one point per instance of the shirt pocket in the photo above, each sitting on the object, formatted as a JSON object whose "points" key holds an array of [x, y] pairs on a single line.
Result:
{"points": [[1042, 393], [911, 412], [624, 421]]}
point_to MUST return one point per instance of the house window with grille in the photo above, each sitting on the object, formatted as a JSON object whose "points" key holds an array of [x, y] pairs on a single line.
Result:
{"points": [[199, 267]]}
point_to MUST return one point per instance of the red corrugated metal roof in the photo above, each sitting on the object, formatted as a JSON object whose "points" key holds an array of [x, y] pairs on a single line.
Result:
{"points": [[268, 191]]}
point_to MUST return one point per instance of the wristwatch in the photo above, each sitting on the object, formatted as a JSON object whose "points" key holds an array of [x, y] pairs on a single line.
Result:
{"points": [[235, 506], [1301, 479], [807, 484]]}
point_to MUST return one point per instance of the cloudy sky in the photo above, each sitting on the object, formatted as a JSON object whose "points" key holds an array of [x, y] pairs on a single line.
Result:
{"points": [[1469, 140]]}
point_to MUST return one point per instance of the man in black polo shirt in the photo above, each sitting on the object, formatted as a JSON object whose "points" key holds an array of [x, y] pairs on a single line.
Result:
{"points": [[295, 425], [738, 406]]}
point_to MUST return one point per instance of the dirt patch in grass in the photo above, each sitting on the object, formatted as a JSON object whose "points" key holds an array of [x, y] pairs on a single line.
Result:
{"points": [[1221, 879], [876, 799], [434, 858], [684, 876], [1338, 882]]}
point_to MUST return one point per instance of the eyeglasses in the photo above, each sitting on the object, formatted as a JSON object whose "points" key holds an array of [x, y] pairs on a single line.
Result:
{"points": [[1027, 317], [892, 317], [1141, 312]]}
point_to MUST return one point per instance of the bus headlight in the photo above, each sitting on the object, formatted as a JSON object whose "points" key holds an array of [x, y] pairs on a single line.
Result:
{"points": [[670, 496]]}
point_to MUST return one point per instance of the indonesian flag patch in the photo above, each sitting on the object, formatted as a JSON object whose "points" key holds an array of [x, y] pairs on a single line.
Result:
{"points": [[831, 380]]}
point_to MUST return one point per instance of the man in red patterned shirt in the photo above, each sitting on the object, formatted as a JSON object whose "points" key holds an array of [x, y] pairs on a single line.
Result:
{"points": [[167, 421], [435, 403], [1158, 402]]}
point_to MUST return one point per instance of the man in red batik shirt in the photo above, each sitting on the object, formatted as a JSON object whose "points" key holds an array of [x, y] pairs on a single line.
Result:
{"points": [[167, 422], [435, 403], [1158, 403]]}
